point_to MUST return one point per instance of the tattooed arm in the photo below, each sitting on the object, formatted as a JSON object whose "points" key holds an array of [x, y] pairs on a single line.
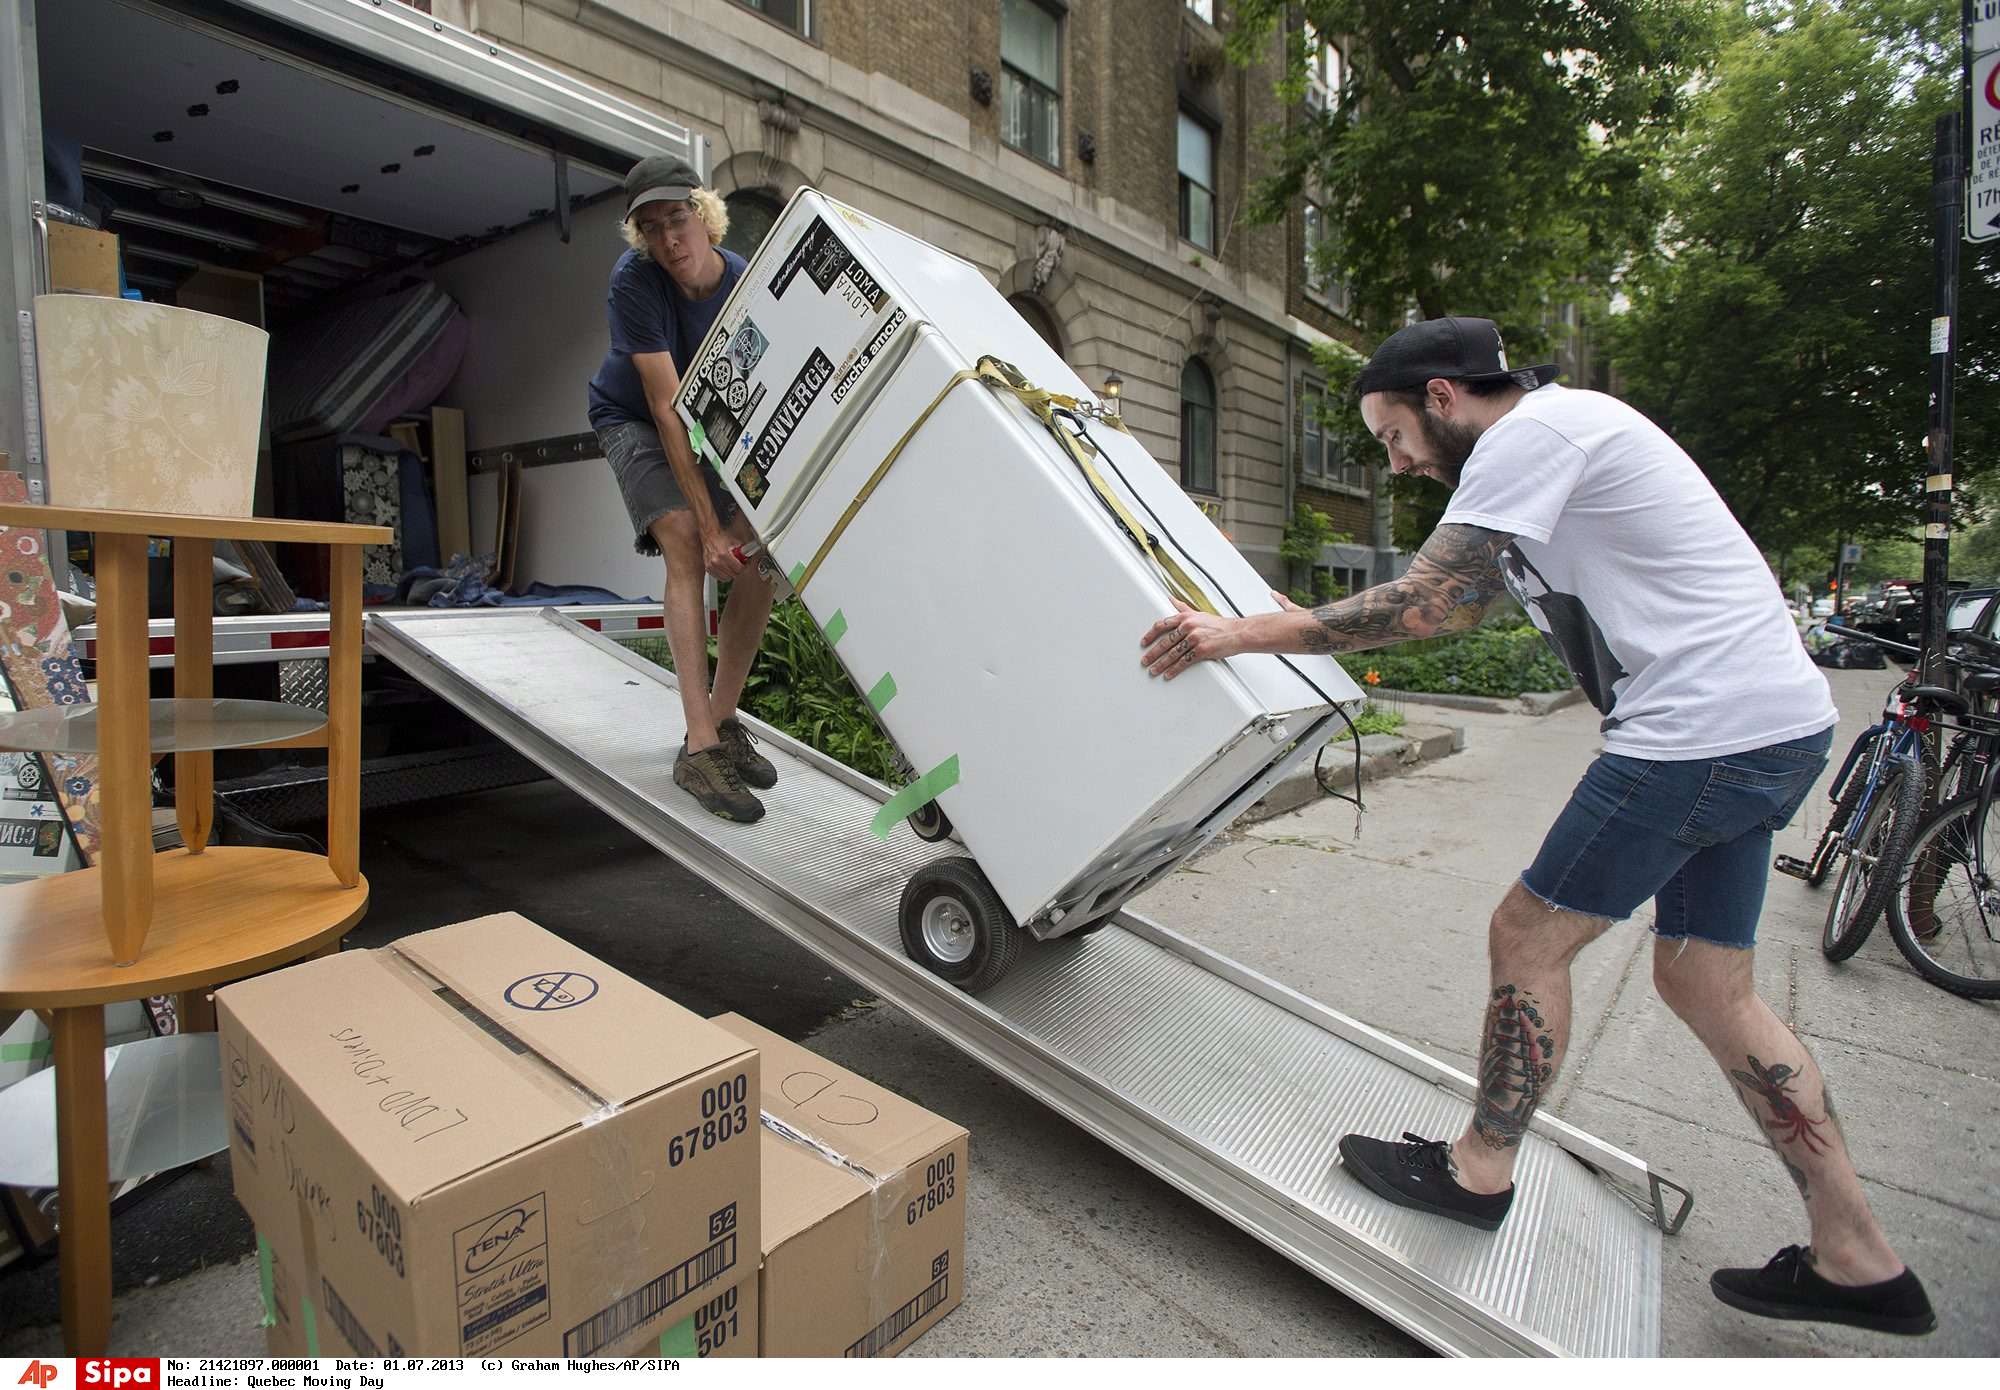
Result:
{"points": [[1447, 589]]}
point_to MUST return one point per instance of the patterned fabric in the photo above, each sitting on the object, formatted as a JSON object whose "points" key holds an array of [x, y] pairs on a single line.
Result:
{"points": [[40, 660], [148, 408], [373, 486]]}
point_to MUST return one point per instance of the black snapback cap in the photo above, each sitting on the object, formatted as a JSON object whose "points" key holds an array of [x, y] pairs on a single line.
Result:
{"points": [[1454, 348], [658, 178]]}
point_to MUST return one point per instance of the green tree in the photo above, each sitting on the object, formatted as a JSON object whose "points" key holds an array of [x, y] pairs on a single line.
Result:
{"points": [[1779, 327], [1480, 157]]}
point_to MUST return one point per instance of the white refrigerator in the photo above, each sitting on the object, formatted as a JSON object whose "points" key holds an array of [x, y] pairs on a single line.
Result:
{"points": [[979, 591]]}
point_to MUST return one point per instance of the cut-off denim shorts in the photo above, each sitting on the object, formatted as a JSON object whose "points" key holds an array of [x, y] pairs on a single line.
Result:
{"points": [[646, 480], [1695, 836]]}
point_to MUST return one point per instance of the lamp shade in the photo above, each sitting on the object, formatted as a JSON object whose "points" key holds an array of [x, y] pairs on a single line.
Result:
{"points": [[148, 408]]}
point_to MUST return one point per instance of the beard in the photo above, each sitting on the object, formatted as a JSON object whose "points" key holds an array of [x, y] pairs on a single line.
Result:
{"points": [[1450, 443]]}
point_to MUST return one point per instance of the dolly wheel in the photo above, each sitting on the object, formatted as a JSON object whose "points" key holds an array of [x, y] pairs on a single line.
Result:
{"points": [[955, 926], [930, 822]]}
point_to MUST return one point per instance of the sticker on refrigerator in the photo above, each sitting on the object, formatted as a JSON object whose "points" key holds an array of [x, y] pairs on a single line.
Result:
{"points": [[828, 263], [875, 345], [746, 348], [791, 409]]}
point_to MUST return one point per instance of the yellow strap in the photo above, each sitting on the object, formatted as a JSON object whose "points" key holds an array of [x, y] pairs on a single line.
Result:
{"points": [[1003, 376]]}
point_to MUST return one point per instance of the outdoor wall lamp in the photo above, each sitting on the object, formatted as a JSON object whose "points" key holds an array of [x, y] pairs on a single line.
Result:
{"points": [[1114, 387]]}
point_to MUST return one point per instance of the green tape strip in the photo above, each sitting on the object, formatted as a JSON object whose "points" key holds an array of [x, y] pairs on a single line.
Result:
{"points": [[926, 788], [798, 573], [26, 1052], [264, 1283], [678, 1341], [836, 628], [312, 1328], [883, 693]]}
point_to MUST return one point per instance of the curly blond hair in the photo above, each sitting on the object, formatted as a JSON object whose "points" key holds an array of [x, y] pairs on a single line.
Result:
{"points": [[713, 212]]}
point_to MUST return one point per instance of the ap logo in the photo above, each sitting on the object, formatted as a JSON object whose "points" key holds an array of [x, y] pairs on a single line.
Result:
{"points": [[39, 1374]]}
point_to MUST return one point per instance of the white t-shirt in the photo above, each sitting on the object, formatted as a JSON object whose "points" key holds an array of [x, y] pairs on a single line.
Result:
{"points": [[1641, 579]]}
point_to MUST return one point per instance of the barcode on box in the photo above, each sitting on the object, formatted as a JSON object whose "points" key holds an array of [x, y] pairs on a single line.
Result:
{"points": [[602, 1329], [348, 1325], [903, 1319]]}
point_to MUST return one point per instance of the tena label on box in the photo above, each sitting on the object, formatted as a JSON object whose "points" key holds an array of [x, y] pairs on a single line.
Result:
{"points": [[452, 1147]]}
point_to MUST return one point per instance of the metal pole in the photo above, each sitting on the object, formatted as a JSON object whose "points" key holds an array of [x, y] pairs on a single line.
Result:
{"points": [[1947, 195]]}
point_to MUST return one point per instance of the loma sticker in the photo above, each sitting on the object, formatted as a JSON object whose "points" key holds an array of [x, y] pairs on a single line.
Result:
{"points": [[553, 989]]}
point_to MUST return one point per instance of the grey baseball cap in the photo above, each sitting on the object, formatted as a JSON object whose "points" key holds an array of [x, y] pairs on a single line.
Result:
{"points": [[659, 178]]}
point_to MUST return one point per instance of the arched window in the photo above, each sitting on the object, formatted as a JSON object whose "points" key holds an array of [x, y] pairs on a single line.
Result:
{"points": [[1038, 319], [751, 215], [1197, 427]]}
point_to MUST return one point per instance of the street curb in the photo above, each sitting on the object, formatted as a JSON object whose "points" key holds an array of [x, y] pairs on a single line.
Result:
{"points": [[1382, 755], [1535, 702]]}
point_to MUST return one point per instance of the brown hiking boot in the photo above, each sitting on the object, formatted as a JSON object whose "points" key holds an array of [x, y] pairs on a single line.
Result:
{"points": [[757, 770], [712, 779]]}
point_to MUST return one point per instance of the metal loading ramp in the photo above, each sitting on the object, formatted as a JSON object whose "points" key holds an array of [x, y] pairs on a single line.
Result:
{"points": [[1223, 1083]]}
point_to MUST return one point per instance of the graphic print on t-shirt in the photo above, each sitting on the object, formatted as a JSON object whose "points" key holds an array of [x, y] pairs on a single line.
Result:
{"points": [[1571, 632]]}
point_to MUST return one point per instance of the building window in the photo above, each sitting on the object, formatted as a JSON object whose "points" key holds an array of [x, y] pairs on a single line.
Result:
{"points": [[1037, 318], [1197, 427], [752, 214], [795, 15], [1326, 70], [1320, 279], [1031, 80], [1320, 459], [1197, 173], [1203, 9]]}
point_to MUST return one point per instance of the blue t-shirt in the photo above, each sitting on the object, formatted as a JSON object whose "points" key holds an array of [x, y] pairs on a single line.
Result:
{"points": [[650, 314]]}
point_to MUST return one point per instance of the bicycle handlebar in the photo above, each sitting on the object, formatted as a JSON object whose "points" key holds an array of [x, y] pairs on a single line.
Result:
{"points": [[1883, 642]]}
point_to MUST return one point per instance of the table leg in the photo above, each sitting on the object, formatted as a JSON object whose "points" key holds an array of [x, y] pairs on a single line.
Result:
{"points": [[194, 679], [83, 1169], [196, 1011], [124, 766], [343, 716]]}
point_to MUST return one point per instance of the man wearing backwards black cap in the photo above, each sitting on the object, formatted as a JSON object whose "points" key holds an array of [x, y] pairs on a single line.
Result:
{"points": [[665, 293], [1715, 726]]}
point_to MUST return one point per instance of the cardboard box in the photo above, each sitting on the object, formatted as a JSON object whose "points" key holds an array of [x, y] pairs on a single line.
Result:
{"points": [[82, 261], [864, 1208], [483, 1141]]}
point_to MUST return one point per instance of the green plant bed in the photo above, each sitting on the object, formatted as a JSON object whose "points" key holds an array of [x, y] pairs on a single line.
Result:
{"points": [[797, 685], [1500, 661], [1373, 720]]}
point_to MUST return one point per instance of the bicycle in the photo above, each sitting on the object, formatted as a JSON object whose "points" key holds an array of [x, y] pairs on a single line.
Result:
{"points": [[1944, 911]]}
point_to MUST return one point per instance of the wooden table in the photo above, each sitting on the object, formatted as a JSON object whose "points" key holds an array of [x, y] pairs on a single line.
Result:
{"points": [[138, 924]]}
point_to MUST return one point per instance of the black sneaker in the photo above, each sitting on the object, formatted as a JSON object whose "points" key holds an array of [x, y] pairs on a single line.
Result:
{"points": [[757, 770], [712, 779], [1418, 1173], [1789, 1287]]}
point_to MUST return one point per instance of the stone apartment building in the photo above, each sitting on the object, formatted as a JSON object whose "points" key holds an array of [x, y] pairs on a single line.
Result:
{"points": [[1091, 156]]}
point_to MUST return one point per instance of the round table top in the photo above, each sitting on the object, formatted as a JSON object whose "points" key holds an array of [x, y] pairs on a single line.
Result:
{"points": [[227, 913]]}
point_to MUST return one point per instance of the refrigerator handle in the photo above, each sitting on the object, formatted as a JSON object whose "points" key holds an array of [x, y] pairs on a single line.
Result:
{"points": [[843, 426]]}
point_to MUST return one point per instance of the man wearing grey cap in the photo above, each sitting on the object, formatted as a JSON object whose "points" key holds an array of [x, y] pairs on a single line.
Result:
{"points": [[1715, 726], [665, 293]]}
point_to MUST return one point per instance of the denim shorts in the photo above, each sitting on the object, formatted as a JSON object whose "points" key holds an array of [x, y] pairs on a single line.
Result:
{"points": [[647, 482], [1695, 836]]}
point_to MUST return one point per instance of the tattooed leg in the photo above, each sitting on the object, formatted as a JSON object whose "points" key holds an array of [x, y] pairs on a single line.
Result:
{"points": [[1526, 1031], [1711, 988]]}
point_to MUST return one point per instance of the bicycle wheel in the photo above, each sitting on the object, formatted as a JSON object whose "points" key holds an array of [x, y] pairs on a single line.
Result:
{"points": [[1944, 915], [1875, 852], [1830, 840]]}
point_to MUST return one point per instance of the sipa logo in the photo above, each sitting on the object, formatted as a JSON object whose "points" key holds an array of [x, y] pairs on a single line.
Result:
{"points": [[136, 1372], [39, 1374]]}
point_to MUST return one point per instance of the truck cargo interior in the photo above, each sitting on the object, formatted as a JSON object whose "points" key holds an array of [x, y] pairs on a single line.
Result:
{"points": [[406, 246], [430, 265]]}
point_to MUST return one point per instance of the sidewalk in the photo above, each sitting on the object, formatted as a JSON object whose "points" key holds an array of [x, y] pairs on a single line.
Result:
{"points": [[1073, 1250]]}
